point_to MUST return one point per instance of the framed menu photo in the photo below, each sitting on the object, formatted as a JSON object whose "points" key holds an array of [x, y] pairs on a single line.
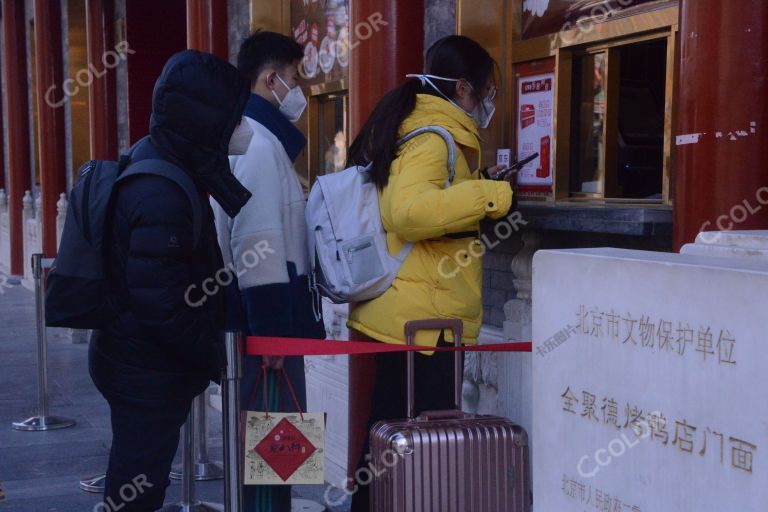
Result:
{"points": [[321, 27]]}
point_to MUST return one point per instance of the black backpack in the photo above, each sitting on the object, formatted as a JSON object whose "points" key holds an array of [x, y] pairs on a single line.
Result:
{"points": [[76, 290]]}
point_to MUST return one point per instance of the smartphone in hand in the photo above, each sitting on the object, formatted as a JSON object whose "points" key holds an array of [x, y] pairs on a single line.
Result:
{"points": [[516, 167]]}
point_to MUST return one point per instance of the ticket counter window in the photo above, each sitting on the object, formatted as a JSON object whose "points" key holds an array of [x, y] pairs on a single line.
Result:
{"points": [[641, 121], [587, 132], [325, 125], [332, 133], [322, 29], [617, 123]]}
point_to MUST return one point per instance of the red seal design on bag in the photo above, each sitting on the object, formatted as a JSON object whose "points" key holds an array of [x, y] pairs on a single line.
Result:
{"points": [[285, 449]]}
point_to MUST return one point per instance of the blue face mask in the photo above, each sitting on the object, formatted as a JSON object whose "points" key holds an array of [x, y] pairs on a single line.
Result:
{"points": [[482, 114]]}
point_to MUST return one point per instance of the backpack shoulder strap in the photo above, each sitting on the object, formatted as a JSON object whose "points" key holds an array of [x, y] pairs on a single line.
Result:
{"points": [[158, 167], [447, 137]]}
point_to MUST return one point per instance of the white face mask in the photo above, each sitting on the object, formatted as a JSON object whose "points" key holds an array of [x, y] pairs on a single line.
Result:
{"points": [[294, 102], [241, 138], [483, 112]]}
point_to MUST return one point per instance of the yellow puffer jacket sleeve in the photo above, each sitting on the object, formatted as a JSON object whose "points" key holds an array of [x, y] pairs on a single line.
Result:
{"points": [[420, 206]]}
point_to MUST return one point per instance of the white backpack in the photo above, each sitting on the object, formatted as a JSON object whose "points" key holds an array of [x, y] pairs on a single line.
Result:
{"points": [[348, 251]]}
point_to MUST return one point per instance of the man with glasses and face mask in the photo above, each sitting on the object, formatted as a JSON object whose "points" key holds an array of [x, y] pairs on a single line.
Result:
{"points": [[273, 294]]}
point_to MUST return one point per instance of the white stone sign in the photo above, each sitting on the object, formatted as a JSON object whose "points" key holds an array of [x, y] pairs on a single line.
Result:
{"points": [[650, 382]]}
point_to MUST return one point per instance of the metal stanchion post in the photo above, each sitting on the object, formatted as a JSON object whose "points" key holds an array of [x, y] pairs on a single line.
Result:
{"points": [[230, 381], [42, 421], [188, 502], [204, 469]]}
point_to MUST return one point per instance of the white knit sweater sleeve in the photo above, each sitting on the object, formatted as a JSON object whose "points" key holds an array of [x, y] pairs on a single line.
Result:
{"points": [[257, 235]]}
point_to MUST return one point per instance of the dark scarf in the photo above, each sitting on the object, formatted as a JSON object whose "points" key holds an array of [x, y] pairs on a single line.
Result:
{"points": [[265, 113]]}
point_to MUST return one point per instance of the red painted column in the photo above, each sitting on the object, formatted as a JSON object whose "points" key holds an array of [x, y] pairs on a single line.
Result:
{"points": [[722, 180], [207, 26], [16, 84], [2, 146], [102, 94], [387, 42], [50, 109], [155, 30]]}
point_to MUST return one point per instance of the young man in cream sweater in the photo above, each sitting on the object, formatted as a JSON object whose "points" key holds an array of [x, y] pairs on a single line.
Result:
{"points": [[266, 243]]}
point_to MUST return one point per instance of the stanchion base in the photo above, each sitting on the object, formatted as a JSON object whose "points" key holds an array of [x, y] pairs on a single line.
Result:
{"points": [[302, 505], [203, 471], [94, 485], [39, 423], [198, 506]]}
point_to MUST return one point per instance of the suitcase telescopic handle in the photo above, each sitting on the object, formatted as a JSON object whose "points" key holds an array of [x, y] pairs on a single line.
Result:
{"points": [[443, 324]]}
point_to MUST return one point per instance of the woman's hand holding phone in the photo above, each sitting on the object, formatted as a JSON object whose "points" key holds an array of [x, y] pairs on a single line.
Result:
{"points": [[497, 172], [506, 173]]}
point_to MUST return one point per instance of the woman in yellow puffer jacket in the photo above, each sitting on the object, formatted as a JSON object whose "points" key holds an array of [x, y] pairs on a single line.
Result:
{"points": [[442, 275]]}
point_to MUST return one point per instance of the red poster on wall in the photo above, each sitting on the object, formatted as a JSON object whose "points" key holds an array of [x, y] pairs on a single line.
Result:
{"points": [[535, 101]]}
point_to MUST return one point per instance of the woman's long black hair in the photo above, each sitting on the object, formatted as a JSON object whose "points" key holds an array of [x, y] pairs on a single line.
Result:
{"points": [[450, 57]]}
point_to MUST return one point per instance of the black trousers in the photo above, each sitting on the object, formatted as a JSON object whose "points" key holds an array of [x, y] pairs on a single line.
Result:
{"points": [[434, 390], [144, 442], [147, 409]]}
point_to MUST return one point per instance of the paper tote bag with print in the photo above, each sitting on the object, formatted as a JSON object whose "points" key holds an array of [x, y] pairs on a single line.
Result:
{"points": [[283, 448]]}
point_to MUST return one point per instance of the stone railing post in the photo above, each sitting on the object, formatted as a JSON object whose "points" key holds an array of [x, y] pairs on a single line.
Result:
{"points": [[517, 312], [512, 373], [28, 206], [61, 215], [39, 209], [29, 237], [5, 238]]}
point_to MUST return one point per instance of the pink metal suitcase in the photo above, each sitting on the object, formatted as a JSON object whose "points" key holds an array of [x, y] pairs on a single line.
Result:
{"points": [[448, 461]]}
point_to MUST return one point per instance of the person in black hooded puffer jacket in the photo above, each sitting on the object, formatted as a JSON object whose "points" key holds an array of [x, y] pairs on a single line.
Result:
{"points": [[163, 347]]}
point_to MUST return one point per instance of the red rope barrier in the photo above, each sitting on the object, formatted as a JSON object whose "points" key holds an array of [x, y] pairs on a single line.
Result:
{"points": [[275, 346]]}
